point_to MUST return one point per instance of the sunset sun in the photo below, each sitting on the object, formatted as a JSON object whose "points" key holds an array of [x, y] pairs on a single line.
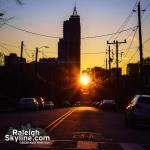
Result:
{"points": [[84, 79]]}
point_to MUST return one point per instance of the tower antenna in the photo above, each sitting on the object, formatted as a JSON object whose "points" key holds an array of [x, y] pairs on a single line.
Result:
{"points": [[75, 10]]}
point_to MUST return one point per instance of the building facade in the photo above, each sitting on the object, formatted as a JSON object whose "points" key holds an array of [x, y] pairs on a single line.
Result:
{"points": [[133, 69], [69, 45]]}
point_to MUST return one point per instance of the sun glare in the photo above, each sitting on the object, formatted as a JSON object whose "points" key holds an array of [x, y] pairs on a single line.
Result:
{"points": [[84, 79]]}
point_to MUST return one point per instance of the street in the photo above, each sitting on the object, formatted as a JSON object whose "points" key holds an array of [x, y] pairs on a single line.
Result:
{"points": [[61, 124]]}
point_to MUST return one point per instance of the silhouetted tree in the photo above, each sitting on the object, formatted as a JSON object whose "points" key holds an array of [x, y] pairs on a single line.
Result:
{"points": [[20, 2], [3, 20], [1, 59], [147, 61]]}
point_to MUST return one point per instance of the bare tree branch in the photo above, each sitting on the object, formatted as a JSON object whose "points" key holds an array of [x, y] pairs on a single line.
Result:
{"points": [[19, 2]]}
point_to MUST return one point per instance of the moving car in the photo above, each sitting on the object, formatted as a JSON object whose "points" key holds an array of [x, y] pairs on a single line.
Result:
{"points": [[41, 102], [138, 110], [107, 104], [28, 103], [49, 105]]}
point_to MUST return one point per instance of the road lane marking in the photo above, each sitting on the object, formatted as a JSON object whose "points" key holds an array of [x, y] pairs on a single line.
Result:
{"points": [[87, 145], [56, 122], [55, 125], [128, 146]]}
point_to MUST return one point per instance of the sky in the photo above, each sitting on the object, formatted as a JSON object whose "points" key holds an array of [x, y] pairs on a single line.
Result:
{"points": [[98, 17]]}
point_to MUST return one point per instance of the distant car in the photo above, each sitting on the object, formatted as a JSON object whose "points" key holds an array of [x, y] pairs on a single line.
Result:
{"points": [[138, 110], [28, 103], [107, 105], [78, 103], [65, 104], [95, 104], [49, 105], [41, 102]]}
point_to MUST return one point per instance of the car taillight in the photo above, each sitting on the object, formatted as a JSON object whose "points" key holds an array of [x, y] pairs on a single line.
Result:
{"points": [[137, 106]]}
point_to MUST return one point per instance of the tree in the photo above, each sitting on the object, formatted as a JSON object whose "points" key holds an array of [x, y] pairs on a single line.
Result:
{"points": [[146, 61], [3, 20], [1, 59], [20, 2]]}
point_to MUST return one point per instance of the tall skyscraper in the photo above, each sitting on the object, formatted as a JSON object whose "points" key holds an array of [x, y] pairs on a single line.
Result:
{"points": [[69, 45]]}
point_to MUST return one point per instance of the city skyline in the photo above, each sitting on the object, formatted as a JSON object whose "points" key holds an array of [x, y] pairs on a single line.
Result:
{"points": [[69, 46], [94, 21]]}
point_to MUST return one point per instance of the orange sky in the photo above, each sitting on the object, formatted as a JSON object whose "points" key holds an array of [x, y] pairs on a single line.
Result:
{"points": [[47, 18]]}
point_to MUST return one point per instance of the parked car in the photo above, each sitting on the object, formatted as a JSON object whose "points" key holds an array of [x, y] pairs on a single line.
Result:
{"points": [[49, 105], [78, 103], [28, 103], [138, 110], [107, 105], [41, 102], [96, 104], [66, 104]]}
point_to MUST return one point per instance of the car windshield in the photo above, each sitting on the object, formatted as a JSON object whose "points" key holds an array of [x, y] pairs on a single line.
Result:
{"points": [[108, 101], [144, 100], [27, 100]]}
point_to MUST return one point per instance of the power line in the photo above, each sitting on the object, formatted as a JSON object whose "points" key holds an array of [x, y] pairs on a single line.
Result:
{"points": [[8, 51], [147, 6], [9, 44], [135, 53], [122, 27], [148, 13], [130, 34], [30, 32], [125, 22], [146, 41], [49, 36], [131, 42], [131, 58], [130, 48], [87, 53], [98, 36], [146, 17]]}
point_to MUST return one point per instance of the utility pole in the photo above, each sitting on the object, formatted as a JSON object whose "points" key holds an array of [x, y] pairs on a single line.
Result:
{"points": [[140, 38], [19, 83], [106, 63], [117, 49], [140, 44], [36, 55], [116, 43], [109, 53], [109, 58], [117, 62], [21, 54]]}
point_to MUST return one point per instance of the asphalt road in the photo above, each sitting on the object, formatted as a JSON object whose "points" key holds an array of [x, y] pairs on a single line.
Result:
{"points": [[63, 124]]}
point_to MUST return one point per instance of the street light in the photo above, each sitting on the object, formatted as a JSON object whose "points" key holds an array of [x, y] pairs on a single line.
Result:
{"points": [[43, 50], [44, 47], [37, 50]]}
